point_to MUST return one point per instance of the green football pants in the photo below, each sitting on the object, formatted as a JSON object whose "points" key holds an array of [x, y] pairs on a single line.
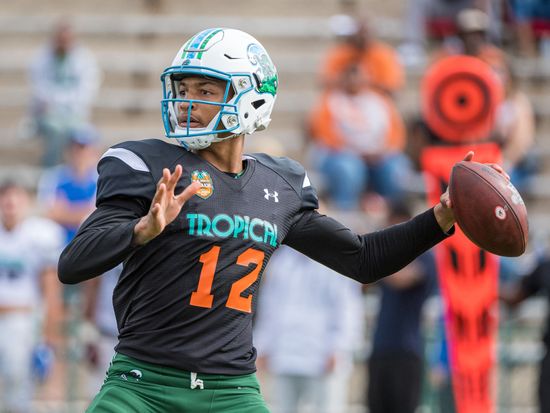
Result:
{"points": [[133, 386]]}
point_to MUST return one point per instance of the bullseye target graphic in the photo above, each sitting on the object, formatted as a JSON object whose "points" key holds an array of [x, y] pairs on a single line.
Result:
{"points": [[460, 95]]}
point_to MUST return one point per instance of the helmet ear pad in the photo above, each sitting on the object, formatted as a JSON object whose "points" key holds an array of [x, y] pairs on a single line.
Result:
{"points": [[253, 111]]}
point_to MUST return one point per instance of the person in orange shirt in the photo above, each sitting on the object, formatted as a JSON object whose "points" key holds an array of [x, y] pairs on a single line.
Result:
{"points": [[376, 59], [359, 138]]}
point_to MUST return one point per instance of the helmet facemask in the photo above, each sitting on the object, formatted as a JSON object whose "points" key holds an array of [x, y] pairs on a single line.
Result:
{"points": [[225, 122]]}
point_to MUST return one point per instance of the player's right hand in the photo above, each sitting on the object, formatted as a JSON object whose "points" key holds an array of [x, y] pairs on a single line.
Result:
{"points": [[165, 207]]}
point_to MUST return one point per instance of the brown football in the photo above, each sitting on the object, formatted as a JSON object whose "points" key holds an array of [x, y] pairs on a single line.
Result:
{"points": [[488, 209]]}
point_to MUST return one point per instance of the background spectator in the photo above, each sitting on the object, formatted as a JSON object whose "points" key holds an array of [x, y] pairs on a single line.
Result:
{"points": [[99, 331], [67, 191], [531, 20], [515, 131], [439, 374], [537, 281], [376, 60], [436, 19], [66, 194], [472, 39], [307, 328], [522, 12], [64, 82], [396, 362], [29, 294], [359, 138]]}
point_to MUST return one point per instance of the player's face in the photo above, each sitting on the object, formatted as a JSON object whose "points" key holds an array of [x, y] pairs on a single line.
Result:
{"points": [[200, 88], [14, 203]]}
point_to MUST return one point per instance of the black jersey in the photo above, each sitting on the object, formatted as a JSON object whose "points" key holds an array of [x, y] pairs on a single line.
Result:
{"points": [[186, 298]]}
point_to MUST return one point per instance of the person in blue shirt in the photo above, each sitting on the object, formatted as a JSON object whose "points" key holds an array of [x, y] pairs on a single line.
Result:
{"points": [[67, 191]]}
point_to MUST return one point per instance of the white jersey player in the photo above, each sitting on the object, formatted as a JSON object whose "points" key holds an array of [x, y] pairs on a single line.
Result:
{"points": [[29, 292]]}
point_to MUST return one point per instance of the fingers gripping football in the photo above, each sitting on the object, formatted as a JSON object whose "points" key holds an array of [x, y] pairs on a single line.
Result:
{"points": [[445, 199], [444, 211], [165, 206]]}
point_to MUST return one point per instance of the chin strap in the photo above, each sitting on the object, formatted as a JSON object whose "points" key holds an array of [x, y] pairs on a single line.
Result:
{"points": [[192, 147]]}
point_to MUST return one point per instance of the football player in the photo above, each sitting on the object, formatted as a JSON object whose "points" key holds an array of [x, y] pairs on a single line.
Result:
{"points": [[195, 221], [30, 298]]}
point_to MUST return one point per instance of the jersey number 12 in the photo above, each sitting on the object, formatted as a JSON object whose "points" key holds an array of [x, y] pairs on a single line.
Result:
{"points": [[203, 297]]}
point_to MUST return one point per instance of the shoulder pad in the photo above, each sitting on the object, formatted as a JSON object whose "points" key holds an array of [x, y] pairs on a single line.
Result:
{"points": [[293, 173]]}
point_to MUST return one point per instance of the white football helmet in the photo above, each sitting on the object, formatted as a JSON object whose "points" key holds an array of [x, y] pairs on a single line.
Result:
{"points": [[240, 60]]}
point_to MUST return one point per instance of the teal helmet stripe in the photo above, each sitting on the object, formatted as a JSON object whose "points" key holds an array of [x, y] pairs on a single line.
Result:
{"points": [[185, 47], [203, 45], [196, 43]]}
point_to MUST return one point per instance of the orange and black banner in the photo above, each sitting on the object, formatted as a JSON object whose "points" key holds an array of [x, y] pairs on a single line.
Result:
{"points": [[468, 279]]}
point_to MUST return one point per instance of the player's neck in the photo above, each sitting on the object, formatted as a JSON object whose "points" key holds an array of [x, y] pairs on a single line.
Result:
{"points": [[225, 155]]}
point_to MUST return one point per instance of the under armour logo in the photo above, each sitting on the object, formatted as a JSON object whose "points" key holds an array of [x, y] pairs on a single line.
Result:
{"points": [[274, 195]]}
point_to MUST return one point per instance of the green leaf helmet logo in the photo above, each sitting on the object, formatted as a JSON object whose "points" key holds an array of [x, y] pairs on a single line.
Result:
{"points": [[266, 72]]}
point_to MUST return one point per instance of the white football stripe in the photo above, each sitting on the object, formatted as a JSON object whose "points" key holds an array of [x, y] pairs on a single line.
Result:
{"points": [[306, 182]]}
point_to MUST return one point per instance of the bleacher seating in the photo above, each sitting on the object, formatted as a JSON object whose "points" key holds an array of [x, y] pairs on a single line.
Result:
{"points": [[135, 39]]}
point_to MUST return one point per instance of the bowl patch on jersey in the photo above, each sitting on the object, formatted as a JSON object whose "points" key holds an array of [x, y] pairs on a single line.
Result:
{"points": [[207, 188]]}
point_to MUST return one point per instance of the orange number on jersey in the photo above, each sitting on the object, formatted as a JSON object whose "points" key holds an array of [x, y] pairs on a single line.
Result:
{"points": [[203, 297], [235, 300]]}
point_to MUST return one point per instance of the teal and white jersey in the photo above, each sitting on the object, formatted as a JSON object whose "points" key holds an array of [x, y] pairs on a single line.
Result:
{"points": [[25, 252]]}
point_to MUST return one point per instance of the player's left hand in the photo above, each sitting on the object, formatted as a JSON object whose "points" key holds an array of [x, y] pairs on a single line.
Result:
{"points": [[165, 207], [444, 210]]}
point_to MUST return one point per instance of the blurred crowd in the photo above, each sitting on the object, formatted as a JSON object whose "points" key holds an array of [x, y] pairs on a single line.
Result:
{"points": [[366, 156]]}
